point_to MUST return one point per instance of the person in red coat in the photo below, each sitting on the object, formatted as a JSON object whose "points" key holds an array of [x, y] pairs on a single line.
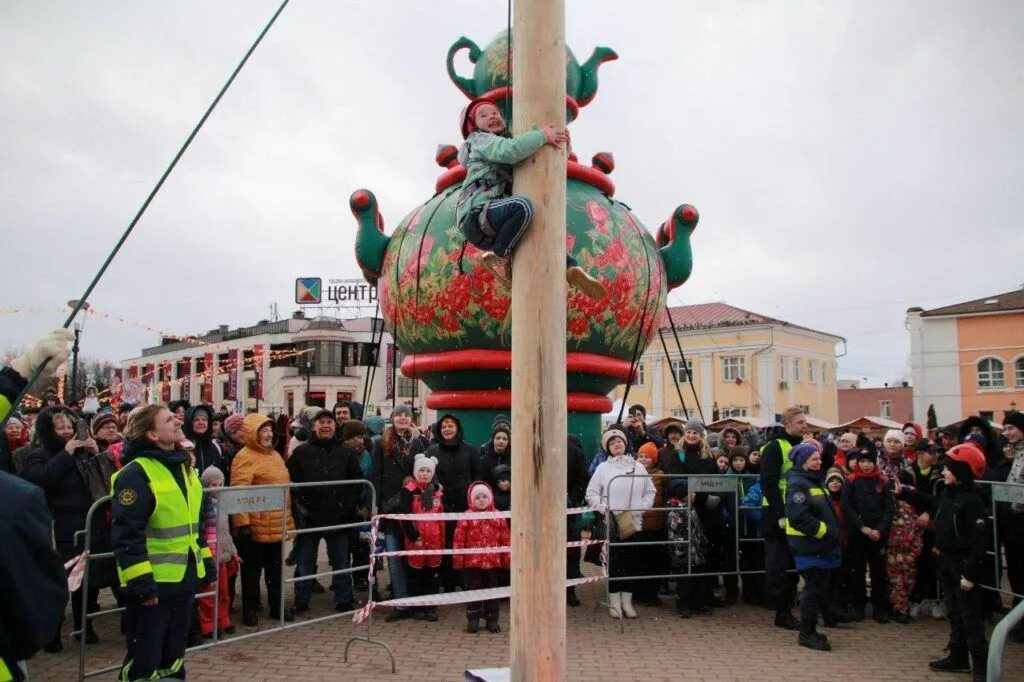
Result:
{"points": [[483, 570], [422, 496]]}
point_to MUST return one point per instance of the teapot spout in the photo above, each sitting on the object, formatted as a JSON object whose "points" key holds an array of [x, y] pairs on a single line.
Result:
{"points": [[371, 243], [588, 73], [674, 244]]}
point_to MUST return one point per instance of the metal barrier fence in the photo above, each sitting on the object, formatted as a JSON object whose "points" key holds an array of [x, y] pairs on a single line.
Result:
{"points": [[233, 500]]}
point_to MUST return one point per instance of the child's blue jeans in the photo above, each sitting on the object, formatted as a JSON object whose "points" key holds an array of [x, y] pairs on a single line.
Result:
{"points": [[507, 220]]}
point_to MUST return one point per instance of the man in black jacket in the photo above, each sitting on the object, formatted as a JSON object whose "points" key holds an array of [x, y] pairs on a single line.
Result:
{"points": [[458, 465], [780, 587], [324, 458], [637, 430]]}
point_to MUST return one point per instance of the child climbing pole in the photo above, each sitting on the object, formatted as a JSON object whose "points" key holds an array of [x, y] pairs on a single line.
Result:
{"points": [[490, 217]]}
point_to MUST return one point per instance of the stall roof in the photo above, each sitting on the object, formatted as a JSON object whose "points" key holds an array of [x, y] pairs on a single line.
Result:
{"points": [[871, 423], [739, 423]]}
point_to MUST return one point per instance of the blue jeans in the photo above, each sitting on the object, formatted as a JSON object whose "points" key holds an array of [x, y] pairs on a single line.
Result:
{"points": [[337, 554], [396, 566]]}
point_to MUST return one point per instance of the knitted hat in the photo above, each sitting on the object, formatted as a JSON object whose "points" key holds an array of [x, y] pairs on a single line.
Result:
{"points": [[898, 435], [866, 451], [923, 445], [424, 462], [1014, 419], [607, 438], [737, 451], [480, 487], [502, 472], [803, 452], [501, 425], [320, 414], [353, 428], [211, 474], [835, 474], [696, 425], [101, 419], [401, 409], [466, 122], [673, 426], [375, 424], [649, 449], [233, 425]]}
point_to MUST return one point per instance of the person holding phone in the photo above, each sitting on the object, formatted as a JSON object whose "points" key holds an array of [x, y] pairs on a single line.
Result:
{"points": [[71, 470]]}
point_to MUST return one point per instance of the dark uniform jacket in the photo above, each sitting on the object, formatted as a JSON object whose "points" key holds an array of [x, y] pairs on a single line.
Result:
{"points": [[961, 529], [131, 512], [771, 474], [809, 511]]}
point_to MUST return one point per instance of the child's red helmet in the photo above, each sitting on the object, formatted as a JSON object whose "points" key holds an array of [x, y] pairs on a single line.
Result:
{"points": [[466, 116], [971, 455]]}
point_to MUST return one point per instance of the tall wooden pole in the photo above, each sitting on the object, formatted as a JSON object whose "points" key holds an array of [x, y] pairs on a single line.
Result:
{"points": [[538, 354]]}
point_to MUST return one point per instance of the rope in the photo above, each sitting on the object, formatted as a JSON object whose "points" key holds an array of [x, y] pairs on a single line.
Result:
{"points": [[638, 348], [145, 205], [675, 378], [686, 367]]}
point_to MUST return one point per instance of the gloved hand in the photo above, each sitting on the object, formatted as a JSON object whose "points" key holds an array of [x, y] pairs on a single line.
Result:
{"points": [[782, 523], [713, 501], [52, 347]]}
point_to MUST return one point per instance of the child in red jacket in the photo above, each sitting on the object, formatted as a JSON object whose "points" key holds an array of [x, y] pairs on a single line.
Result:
{"points": [[483, 570], [422, 496]]}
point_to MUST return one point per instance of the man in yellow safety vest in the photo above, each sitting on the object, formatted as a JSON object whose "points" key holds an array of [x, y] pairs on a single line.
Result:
{"points": [[775, 463], [161, 554]]}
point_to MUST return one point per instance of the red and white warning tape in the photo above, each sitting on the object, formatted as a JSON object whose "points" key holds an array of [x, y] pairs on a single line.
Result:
{"points": [[450, 598], [76, 566]]}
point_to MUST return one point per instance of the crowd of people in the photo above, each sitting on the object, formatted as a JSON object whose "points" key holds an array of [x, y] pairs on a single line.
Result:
{"points": [[894, 523]]}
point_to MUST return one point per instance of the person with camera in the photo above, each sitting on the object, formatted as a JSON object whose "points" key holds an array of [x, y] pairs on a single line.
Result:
{"points": [[70, 468], [324, 458], [393, 456]]}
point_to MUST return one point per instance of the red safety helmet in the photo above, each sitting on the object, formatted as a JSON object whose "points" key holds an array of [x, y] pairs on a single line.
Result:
{"points": [[971, 455], [466, 125]]}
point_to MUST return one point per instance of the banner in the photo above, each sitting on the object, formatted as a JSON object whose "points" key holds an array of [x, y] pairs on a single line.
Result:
{"points": [[258, 356], [165, 382], [232, 393], [389, 373], [206, 394], [133, 372], [149, 381], [186, 379]]}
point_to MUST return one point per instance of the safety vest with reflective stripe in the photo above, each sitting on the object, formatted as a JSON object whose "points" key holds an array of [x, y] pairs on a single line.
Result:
{"points": [[784, 446], [5, 672], [173, 530]]}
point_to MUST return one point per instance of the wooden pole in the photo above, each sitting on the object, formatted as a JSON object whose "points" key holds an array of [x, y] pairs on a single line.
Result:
{"points": [[538, 355]]}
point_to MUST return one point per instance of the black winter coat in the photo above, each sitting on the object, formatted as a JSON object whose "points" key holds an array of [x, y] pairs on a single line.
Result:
{"points": [[325, 460], [868, 502], [490, 459], [458, 465], [961, 528], [809, 510], [390, 472]]}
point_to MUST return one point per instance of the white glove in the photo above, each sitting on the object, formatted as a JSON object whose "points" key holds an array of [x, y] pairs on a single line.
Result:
{"points": [[713, 502], [965, 584], [782, 524], [52, 347]]}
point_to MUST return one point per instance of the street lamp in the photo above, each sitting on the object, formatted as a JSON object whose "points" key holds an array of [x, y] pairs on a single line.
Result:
{"points": [[73, 393], [1013, 406], [309, 371]]}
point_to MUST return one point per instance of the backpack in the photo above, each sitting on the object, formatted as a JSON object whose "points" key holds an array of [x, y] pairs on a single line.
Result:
{"points": [[690, 545]]}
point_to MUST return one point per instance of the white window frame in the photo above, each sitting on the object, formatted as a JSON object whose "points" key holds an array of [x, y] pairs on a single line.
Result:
{"points": [[680, 413], [824, 373], [641, 378], [798, 369], [1018, 372], [992, 376], [884, 408], [811, 378], [733, 412], [734, 367], [783, 368], [677, 365]]}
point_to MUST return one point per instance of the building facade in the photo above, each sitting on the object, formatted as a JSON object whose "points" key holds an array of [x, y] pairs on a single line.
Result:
{"points": [[277, 367], [889, 402], [742, 364], [968, 358]]}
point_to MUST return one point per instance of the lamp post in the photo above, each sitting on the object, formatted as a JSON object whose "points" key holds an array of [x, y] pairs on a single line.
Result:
{"points": [[309, 372]]}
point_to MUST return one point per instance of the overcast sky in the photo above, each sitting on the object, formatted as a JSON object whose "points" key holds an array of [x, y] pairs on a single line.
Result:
{"points": [[849, 159]]}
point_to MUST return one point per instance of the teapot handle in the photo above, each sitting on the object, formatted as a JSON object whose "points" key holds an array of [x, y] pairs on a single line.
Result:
{"points": [[466, 85]]}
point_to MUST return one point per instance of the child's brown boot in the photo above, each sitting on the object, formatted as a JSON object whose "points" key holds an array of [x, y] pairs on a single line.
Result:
{"points": [[591, 288], [500, 267]]}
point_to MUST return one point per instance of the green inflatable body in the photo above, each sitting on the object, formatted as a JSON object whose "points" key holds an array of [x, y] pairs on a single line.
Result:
{"points": [[451, 319]]}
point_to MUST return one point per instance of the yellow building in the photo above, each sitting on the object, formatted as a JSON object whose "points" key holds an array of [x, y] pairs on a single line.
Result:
{"points": [[743, 365]]}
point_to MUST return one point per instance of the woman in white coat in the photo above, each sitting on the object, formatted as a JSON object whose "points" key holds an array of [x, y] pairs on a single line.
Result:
{"points": [[620, 483]]}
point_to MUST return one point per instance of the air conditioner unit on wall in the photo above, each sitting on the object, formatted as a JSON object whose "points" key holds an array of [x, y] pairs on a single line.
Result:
{"points": [[783, 385]]}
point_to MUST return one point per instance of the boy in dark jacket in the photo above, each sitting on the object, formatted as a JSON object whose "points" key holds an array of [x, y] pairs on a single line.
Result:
{"points": [[961, 542], [868, 507]]}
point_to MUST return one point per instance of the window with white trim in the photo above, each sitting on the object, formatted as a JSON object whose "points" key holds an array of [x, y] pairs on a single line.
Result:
{"points": [[1018, 371], [682, 414], [783, 368], [677, 367], [798, 369], [824, 372], [990, 373], [884, 408], [810, 372], [733, 368], [639, 374], [734, 412]]}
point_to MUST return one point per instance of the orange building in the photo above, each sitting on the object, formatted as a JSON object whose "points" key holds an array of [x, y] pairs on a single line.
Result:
{"points": [[968, 358]]}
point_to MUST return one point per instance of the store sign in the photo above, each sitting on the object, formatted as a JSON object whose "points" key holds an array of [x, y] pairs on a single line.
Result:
{"points": [[350, 292]]}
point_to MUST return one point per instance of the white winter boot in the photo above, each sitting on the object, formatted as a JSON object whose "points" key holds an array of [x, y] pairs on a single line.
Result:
{"points": [[615, 605], [627, 605]]}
